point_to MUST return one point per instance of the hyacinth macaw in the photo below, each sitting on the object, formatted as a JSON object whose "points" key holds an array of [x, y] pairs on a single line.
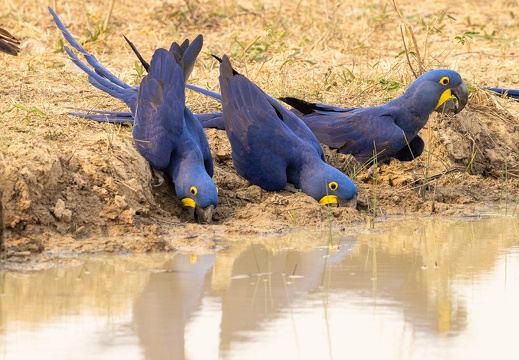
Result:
{"points": [[272, 147], [8, 43], [165, 131], [389, 130]]}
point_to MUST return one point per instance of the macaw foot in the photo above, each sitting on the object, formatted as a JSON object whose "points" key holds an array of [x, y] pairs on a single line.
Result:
{"points": [[291, 188], [159, 176]]}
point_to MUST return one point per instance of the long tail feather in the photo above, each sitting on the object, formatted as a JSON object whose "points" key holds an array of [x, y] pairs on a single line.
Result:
{"points": [[206, 92], [114, 117], [513, 93]]}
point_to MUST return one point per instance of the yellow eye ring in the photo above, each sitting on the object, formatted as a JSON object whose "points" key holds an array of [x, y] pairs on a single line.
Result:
{"points": [[333, 186], [444, 81], [193, 190]]}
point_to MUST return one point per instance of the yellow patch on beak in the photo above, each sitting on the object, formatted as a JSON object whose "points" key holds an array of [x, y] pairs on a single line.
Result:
{"points": [[188, 202], [447, 94], [328, 199]]}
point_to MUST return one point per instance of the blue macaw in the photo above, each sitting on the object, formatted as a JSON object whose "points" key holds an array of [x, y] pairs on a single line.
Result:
{"points": [[8, 43], [272, 147], [169, 136], [104, 80], [165, 131], [389, 130]]}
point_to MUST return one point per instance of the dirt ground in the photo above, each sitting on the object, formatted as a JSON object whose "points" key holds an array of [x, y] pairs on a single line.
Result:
{"points": [[75, 186]]}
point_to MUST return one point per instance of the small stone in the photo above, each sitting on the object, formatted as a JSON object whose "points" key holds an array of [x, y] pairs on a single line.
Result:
{"points": [[61, 212], [59, 208]]}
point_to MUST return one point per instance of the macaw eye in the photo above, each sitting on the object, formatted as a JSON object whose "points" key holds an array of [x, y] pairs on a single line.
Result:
{"points": [[444, 81], [193, 190], [333, 186]]}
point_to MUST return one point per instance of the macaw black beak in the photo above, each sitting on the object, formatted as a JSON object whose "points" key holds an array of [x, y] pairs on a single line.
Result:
{"points": [[461, 92], [349, 203], [200, 214], [204, 215]]}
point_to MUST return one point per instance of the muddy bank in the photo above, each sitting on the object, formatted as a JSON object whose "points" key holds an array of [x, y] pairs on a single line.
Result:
{"points": [[100, 196]]}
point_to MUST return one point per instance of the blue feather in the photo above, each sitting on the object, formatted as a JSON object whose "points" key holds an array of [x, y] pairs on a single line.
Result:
{"points": [[389, 130], [512, 93], [104, 80], [168, 135], [271, 146]]}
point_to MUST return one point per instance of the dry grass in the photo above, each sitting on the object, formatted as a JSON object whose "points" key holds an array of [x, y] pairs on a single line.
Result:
{"points": [[336, 54], [345, 53]]}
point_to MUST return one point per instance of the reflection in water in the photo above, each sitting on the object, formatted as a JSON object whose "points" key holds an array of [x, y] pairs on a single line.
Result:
{"points": [[441, 289], [166, 303]]}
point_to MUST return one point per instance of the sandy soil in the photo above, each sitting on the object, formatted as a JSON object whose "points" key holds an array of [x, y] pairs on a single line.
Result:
{"points": [[76, 186]]}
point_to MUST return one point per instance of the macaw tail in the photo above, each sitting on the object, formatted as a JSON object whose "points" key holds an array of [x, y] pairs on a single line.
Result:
{"points": [[99, 77], [512, 93]]}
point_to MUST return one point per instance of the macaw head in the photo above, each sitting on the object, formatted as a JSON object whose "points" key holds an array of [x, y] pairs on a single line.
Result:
{"points": [[198, 194], [440, 89], [329, 186]]}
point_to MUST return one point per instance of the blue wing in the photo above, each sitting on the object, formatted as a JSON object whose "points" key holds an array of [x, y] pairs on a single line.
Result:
{"points": [[263, 142], [194, 127], [298, 127], [160, 110], [356, 131], [361, 132]]}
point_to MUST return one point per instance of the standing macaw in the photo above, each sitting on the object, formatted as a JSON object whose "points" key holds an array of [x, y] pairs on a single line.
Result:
{"points": [[389, 130]]}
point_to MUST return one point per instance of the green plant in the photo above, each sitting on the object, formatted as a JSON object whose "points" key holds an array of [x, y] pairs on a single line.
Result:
{"points": [[462, 39], [60, 46], [30, 112], [390, 85], [346, 77], [98, 30], [471, 161], [139, 68], [254, 51]]}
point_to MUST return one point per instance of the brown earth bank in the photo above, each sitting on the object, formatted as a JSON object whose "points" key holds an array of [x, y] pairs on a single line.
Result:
{"points": [[74, 186]]}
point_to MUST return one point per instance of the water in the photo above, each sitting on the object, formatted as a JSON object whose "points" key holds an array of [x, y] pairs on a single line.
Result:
{"points": [[409, 289]]}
